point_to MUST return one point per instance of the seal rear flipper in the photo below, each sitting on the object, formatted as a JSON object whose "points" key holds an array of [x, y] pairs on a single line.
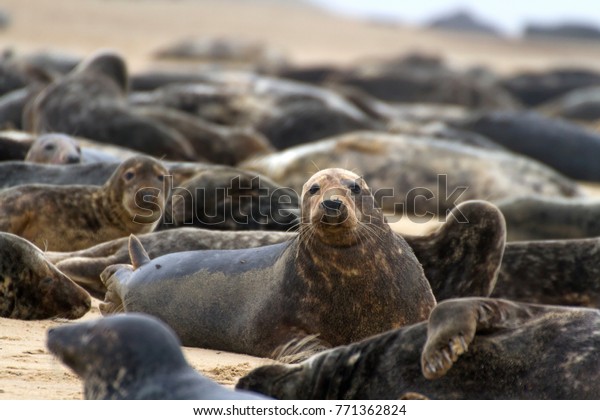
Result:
{"points": [[137, 253], [462, 258], [454, 323], [86, 273], [113, 278]]}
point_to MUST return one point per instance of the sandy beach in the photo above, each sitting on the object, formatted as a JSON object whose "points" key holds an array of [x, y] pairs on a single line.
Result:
{"points": [[308, 35]]}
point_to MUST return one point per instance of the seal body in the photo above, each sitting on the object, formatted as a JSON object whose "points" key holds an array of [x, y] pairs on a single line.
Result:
{"points": [[472, 348], [418, 175], [132, 357], [538, 218], [32, 288], [344, 277], [549, 140], [459, 259], [66, 218]]}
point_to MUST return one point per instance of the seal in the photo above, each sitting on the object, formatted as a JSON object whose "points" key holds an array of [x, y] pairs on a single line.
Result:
{"points": [[133, 357], [67, 218], [91, 102], [215, 143], [227, 198], [32, 288], [547, 140], [470, 270], [538, 218], [471, 348], [286, 112], [345, 276], [556, 272], [416, 174], [55, 148]]}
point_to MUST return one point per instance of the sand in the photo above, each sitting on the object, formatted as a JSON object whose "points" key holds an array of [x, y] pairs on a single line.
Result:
{"points": [[309, 36]]}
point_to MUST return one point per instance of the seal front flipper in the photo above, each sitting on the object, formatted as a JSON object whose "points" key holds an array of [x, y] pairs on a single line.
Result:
{"points": [[453, 324], [462, 258]]}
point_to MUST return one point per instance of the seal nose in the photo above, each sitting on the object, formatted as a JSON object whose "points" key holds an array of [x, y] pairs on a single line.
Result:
{"points": [[73, 159], [332, 204]]}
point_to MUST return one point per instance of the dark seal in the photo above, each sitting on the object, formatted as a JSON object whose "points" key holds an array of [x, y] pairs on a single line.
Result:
{"points": [[133, 357], [32, 288], [346, 276], [67, 218], [472, 348]]}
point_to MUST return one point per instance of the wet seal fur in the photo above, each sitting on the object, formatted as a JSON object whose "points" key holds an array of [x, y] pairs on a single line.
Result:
{"points": [[67, 218], [346, 276], [32, 288], [133, 357], [472, 348]]}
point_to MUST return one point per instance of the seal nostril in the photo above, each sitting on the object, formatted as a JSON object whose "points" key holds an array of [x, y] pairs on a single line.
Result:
{"points": [[332, 204], [73, 159]]}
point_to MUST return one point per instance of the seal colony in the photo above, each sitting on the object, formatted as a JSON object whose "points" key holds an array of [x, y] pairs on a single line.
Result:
{"points": [[346, 276], [67, 218]]}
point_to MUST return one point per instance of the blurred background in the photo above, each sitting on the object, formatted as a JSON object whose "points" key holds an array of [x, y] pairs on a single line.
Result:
{"points": [[508, 36]]}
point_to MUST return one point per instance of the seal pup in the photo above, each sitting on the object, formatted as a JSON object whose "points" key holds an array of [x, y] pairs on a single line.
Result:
{"points": [[32, 288], [133, 357], [416, 174], [345, 276], [54, 148], [471, 348], [67, 218]]}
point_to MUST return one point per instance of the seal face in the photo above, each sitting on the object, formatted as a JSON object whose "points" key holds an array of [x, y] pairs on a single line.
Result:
{"points": [[54, 148], [67, 218], [132, 357], [345, 276], [32, 288], [471, 348]]}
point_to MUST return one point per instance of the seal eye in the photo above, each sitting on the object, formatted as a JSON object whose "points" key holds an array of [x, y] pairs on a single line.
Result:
{"points": [[161, 178], [355, 188], [128, 175], [314, 189], [49, 147]]}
